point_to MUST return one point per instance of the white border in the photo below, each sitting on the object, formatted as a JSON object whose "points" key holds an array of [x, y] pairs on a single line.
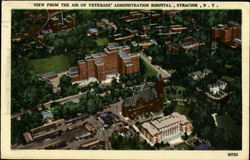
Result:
{"points": [[73, 154]]}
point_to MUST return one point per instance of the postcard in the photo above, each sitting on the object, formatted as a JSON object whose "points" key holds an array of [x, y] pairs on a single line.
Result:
{"points": [[125, 80]]}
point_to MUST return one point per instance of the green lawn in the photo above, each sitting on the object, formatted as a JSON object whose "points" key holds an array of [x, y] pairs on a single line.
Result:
{"points": [[102, 41], [150, 71], [51, 64]]}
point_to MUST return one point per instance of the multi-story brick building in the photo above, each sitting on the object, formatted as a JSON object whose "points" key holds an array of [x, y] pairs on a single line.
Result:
{"points": [[169, 34], [125, 38], [114, 59], [146, 29], [229, 34], [177, 28], [144, 44], [173, 30], [191, 43], [145, 99], [58, 24], [155, 15], [132, 32], [170, 46], [188, 43]]}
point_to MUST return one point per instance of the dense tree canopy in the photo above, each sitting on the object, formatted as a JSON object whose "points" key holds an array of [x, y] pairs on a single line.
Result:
{"points": [[119, 142], [26, 90], [27, 122], [67, 88]]}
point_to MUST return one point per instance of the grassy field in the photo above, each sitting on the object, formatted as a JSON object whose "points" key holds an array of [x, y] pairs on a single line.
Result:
{"points": [[51, 64], [150, 71], [102, 41]]}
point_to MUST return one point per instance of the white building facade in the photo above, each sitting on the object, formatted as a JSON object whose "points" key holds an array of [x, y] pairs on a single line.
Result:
{"points": [[166, 128]]}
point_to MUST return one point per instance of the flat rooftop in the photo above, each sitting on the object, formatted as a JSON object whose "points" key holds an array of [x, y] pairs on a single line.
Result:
{"points": [[169, 120], [96, 55], [154, 126], [123, 54]]}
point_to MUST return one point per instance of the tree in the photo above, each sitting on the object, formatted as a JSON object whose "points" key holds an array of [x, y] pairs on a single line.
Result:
{"points": [[226, 140], [49, 39], [185, 136], [72, 43], [23, 97], [91, 103], [67, 88], [119, 142], [59, 45], [26, 122], [169, 108], [159, 145], [67, 111]]}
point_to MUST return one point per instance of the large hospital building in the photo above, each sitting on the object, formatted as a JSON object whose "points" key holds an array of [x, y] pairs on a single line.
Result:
{"points": [[113, 61]]}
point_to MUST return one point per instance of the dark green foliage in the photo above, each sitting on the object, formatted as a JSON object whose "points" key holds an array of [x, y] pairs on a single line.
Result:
{"points": [[169, 108], [185, 136], [26, 20], [67, 89], [226, 140], [26, 90], [67, 111], [160, 145], [89, 103], [27, 122], [132, 79], [132, 143]]}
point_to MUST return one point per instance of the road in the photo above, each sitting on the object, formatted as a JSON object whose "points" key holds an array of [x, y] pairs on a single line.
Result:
{"points": [[74, 98], [102, 135], [164, 73]]}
